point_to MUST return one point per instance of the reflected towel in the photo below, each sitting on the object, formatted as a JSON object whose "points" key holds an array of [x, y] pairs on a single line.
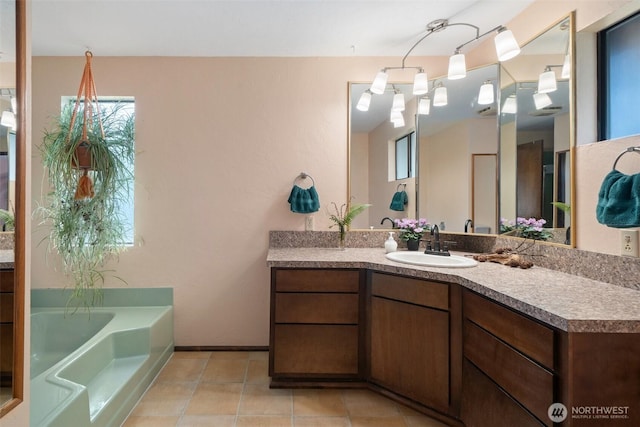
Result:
{"points": [[398, 201], [304, 200], [619, 200]]}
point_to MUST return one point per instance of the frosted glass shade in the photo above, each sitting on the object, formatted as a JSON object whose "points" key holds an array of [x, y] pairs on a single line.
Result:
{"points": [[506, 45], [440, 97], [485, 96], [457, 67], [541, 100], [424, 106], [364, 101], [398, 102], [566, 67], [8, 119], [420, 84], [547, 82], [397, 119], [379, 83], [510, 105]]}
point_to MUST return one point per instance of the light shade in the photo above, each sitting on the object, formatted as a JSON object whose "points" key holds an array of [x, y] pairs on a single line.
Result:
{"points": [[510, 105], [440, 96], [457, 67], [485, 96], [506, 45], [547, 82], [424, 106], [397, 119], [398, 102], [420, 83], [14, 104], [379, 83], [364, 101], [8, 119], [541, 100], [566, 67]]}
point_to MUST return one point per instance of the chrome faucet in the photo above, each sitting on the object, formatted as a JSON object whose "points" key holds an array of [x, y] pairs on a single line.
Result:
{"points": [[386, 218]]}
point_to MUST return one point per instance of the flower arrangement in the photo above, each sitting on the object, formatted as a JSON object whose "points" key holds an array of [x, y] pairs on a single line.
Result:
{"points": [[343, 217], [412, 229], [529, 228]]}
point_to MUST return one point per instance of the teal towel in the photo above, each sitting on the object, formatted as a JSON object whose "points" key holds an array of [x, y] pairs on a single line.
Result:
{"points": [[619, 200], [398, 201], [304, 200]]}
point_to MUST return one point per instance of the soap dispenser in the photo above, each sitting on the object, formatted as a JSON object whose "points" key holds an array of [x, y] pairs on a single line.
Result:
{"points": [[390, 245]]}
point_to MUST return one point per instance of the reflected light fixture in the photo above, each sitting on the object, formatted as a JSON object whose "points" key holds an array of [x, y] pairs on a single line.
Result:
{"points": [[547, 81], [420, 83], [457, 66], [364, 101], [8, 119], [541, 100], [397, 119], [398, 102], [566, 67], [510, 105], [485, 96], [424, 106], [440, 96]]}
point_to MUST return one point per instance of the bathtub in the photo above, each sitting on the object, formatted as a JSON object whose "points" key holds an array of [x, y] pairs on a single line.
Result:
{"points": [[90, 368]]}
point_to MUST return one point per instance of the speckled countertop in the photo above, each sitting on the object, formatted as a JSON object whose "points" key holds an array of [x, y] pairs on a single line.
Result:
{"points": [[6, 258], [567, 302]]}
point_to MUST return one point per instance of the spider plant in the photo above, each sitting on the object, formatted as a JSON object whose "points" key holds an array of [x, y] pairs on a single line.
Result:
{"points": [[88, 232]]}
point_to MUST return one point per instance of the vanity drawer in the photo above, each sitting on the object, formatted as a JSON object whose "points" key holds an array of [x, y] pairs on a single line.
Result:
{"points": [[528, 336], [529, 383], [6, 307], [316, 308], [321, 280], [6, 280], [415, 291]]}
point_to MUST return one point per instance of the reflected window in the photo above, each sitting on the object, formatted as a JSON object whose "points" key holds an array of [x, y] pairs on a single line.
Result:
{"points": [[405, 152], [619, 88]]}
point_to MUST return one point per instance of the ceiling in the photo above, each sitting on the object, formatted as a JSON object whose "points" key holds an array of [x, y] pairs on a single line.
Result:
{"points": [[259, 27]]}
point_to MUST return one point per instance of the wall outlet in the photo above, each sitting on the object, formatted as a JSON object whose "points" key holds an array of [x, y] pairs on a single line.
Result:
{"points": [[629, 243], [308, 223]]}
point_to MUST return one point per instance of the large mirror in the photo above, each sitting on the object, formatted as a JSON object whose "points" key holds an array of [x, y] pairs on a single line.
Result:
{"points": [[466, 153], [12, 170]]}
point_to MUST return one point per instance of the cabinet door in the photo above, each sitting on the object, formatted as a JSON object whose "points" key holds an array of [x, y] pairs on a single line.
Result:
{"points": [[410, 351]]}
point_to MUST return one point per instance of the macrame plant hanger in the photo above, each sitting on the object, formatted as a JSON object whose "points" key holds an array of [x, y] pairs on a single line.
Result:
{"points": [[81, 158]]}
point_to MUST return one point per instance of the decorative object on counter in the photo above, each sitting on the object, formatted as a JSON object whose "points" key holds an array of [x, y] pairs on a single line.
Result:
{"points": [[566, 208], [505, 256], [528, 228], [400, 199], [304, 200], [390, 245], [8, 220], [412, 230], [88, 188], [619, 197], [343, 217]]}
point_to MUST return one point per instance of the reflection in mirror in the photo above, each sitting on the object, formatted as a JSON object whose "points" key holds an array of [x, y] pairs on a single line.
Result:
{"points": [[536, 132]]}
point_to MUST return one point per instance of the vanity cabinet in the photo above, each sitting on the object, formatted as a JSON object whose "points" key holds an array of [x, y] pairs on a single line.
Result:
{"points": [[6, 326], [316, 325], [410, 337]]}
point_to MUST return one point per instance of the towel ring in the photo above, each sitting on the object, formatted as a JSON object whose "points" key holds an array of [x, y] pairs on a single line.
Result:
{"points": [[400, 185], [304, 176], [628, 150]]}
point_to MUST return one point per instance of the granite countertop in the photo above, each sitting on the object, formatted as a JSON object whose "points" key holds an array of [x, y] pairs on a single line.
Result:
{"points": [[567, 302], [6, 258]]}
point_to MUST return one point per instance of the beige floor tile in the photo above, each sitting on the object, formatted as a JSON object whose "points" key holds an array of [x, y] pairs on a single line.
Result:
{"points": [[191, 354], [378, 422], [259, 355], [161, 390], [182, 370], [318, 402], [169, 407], [135, 421], [321, 422], [225, 370], [258, 372], [263, 421], [259, 399], [422, 421], [207, 421], [365, 403], [215, 399], [230, 355]]}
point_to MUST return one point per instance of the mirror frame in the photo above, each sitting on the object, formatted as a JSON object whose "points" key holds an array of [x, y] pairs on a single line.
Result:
{"points": [[20, 209]]}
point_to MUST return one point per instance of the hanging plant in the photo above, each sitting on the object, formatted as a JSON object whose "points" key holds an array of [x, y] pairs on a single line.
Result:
{"points": [[87, 157]]}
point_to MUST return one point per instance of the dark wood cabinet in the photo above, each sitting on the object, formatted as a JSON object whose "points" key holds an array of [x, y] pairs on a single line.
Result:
{"points": [[410, 344], [6, 326], [316, 325]]}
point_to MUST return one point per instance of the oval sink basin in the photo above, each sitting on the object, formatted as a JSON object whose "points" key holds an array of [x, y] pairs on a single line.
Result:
{"points": [[427, 260]]}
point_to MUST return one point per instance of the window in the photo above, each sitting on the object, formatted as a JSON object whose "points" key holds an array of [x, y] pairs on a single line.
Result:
{"points": [[125, 107], [618, 85], [406, 156]]}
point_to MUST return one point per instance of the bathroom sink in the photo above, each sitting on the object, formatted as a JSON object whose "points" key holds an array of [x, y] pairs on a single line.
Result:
{"points": [[427, 260]]}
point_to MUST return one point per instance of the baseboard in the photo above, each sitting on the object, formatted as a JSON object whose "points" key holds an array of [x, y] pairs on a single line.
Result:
{"points": [[220, 348]]}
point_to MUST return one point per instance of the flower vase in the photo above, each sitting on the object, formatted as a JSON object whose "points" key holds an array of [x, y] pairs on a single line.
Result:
{"points": [[413, 244], [342, 237]]}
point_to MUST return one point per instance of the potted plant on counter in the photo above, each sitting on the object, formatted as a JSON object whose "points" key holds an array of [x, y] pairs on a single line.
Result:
{"points": [[412, 230], [343, 217]]}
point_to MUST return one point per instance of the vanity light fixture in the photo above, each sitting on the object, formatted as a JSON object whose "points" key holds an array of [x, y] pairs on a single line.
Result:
{"points": [[380, 82], [440, 96], [398, 102], [506, 45], [457, 66], [510, 105], [541, 100], [485, 96], [424, 105], [547, 81], [364, 101], [420, 83]]}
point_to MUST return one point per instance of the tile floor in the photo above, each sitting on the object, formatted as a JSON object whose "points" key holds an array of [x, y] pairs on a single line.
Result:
{"points": [[231, 389]]}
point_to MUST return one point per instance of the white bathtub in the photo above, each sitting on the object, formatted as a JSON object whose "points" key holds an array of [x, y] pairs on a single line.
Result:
{"points": [[90, 369]]}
